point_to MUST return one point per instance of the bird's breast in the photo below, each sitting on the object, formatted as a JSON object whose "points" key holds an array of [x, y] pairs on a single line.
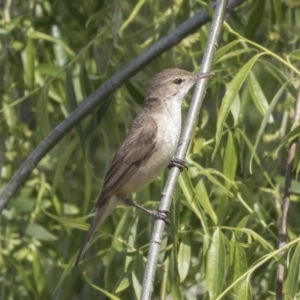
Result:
{"points": [[168, 132]]}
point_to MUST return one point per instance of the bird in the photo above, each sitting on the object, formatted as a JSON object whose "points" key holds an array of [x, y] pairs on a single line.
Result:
{"points": [[148, 147]]}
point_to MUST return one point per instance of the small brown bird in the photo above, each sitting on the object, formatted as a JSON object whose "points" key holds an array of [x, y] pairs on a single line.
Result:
{"points": [[149, 145]]}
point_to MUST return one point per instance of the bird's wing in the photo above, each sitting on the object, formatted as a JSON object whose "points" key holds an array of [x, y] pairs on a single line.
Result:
{"points": [[137, 146]]}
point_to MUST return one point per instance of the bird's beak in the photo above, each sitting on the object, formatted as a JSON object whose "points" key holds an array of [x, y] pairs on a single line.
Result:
{"points": [[204, 75]]}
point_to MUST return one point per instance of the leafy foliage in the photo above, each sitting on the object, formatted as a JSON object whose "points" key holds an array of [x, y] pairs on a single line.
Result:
{"points": [[223, 239]]}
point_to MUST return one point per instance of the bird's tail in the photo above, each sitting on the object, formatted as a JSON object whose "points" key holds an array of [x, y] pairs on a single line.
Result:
{"points": [[101, 214]]}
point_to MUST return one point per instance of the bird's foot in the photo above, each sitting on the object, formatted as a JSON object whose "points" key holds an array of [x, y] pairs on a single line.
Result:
{"points": [[179, 163], [156, 214], [161, 215]]}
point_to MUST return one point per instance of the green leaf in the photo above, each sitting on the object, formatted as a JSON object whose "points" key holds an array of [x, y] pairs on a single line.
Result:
{"points": [[232, 90], [230, 160], [123, 285], [254, 20], [39, 232], [289, 138], [295, 54], [244, 292], [29, 56], [97, 118], [68, 222], [221, 52], [235, 109], [215, 265], [131, 17], [72, 105], [42, 115], [265, 120], [31, 33], [184, 257], [239, 261], [40, 280], [62, 163], [292, 281], [137, 275], [258, 96], [99, 15], [120, 230], [203, 198], [104, 292], [193, 203]]}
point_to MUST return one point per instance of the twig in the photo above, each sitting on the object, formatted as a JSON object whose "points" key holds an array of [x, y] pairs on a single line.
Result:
{"points": [[190, 125], [89, 105], [286, 201]]}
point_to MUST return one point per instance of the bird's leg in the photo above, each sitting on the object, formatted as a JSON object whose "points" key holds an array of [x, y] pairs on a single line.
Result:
{"points": [[156, 214], [179, 163]]}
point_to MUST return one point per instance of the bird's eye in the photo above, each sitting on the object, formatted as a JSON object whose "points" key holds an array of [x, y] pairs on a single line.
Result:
{"points": [[178, 81]]}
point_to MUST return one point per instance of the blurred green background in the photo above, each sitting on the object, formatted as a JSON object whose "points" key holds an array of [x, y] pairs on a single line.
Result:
{"points": [[226, 210]]}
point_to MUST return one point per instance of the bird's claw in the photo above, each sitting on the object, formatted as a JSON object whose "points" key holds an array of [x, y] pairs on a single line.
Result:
{"points": [[179, 163], [161, 215], [156, 214]]}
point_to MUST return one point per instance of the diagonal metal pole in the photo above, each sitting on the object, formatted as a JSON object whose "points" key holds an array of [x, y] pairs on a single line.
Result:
{"points": [[184, 142]]}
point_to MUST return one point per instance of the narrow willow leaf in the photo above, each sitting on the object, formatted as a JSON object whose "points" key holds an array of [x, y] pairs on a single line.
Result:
{"points": [[292, 281], [295, 54], [120, 230], [88, 187], [255, 18], [226, 49], [215, 265], [123, 285], [239, 262], [104, 292], [265, 120], [211, 174], [277, 4], [137, 275], [60, 52], [230, 160], [258, 96], [61, 164], [277, 73], [134, 93], [131, 241], [131, 17], [29, 56], [72, 105], [38, 272], [96, 120], [188, 192], [39, 232], [49, 70], [257, 159], [244, 292], [232, 90], [94, 18], [68, 222], [242, 224], [291, 136], [85, 82], [235, 109], [42, 117], [184, 257], [203, 198], [235, 53], [23, 273], [31, 33]]}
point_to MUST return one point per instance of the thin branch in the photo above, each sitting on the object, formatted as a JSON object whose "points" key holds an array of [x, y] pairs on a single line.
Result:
{"points": [[89, 105], [189, 128], [286, 202]]}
